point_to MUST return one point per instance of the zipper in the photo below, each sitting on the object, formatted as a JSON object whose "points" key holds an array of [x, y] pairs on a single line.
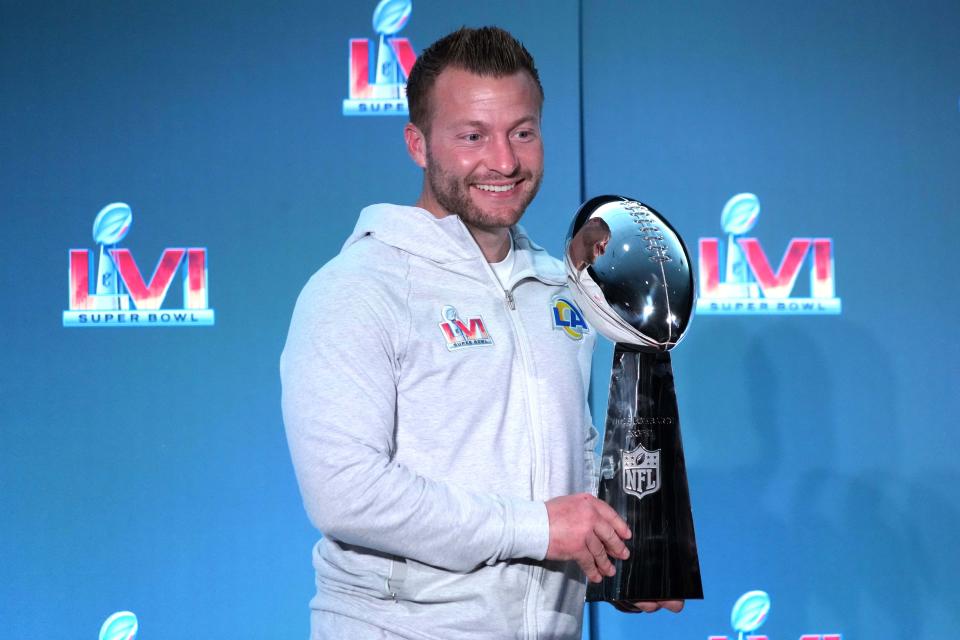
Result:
{"points": [[536, 444], [533, 409], [536, 454]]}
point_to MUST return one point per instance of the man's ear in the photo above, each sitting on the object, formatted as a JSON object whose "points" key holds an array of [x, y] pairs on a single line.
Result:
{"points": [[416, 144]]}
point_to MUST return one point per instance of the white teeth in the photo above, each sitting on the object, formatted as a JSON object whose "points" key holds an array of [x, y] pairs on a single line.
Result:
{"points": [[495, 188]]}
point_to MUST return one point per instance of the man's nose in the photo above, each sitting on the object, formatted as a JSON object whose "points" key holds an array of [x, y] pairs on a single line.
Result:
{"points": [[502, 157]]}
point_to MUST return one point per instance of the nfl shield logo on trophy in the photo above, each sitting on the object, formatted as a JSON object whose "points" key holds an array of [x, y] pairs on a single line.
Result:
{"points": [[641, 471]]}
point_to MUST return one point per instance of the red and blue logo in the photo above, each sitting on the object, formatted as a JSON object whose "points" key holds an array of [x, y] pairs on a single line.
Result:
{"points": [[750, 612], [568, 318], [121, 297], [386, 93], [462, 333], [744, 282]]}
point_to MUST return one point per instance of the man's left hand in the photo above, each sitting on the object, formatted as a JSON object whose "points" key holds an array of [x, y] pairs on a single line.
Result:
{"points": [[648, 606]]}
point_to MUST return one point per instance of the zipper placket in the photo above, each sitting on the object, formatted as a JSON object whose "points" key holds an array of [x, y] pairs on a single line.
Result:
{"points": [[533, 410], [538, 466], [536, 442], [533, 406], [533, 415]]}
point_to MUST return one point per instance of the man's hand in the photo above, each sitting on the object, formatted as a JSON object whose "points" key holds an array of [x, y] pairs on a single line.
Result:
{"points": [[589, 531], [648, 606]]}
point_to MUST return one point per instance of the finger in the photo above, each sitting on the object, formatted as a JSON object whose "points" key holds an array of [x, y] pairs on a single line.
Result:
{"points": [[611, 540], [599, 553], [675, 606], [589, 566], [613, 518], [628, 606]]}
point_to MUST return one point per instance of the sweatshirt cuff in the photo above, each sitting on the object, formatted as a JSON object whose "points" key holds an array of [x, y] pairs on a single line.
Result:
{"points": [[531, 529]]}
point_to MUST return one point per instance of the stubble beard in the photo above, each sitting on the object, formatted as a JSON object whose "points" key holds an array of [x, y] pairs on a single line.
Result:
{"points": [[453, 194]]}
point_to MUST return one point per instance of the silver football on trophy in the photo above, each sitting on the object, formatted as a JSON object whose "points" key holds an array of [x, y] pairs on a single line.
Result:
{"points": [[630, 273]]}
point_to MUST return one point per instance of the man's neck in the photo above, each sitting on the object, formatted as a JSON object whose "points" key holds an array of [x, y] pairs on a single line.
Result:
{"points": [[494, 242]]}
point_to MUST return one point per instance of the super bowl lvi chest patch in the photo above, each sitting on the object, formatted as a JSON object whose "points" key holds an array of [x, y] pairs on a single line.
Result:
{"points": [[568, 318], [461, 333]]}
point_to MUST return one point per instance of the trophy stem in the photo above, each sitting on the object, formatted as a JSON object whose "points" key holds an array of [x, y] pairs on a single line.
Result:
{"points": [[643, 477]]}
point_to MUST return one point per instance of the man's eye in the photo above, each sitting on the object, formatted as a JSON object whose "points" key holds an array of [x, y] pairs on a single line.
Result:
{"points": [[524, 135], [472, 137]]}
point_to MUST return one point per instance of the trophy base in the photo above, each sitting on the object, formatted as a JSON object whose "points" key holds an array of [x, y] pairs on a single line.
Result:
{"points": [[643, 477]]}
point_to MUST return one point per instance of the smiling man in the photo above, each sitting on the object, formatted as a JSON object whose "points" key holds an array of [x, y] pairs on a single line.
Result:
{"points": [[443, 443], [477, 137]]}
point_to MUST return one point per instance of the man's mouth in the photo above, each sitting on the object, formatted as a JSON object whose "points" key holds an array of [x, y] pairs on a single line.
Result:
{"points": [[496, 188]]}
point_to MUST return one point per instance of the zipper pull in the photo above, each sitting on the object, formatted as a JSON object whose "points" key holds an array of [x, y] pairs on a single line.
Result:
{"points": [[510, 302]]}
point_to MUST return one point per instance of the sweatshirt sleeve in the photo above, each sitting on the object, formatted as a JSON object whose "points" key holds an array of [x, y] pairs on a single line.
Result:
{"points": [[339, 372]]}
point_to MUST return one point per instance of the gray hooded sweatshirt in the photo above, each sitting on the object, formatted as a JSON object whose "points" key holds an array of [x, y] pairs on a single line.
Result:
{"points": [[430, 413]]}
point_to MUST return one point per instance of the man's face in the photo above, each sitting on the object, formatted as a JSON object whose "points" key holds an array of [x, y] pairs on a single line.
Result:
{"points": [[483, 155], [590, 243]]}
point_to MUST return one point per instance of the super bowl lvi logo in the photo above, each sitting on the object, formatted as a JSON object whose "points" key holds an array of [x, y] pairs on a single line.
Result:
{"points": [[749, 613], [460, 333], [737, 278], [121, 296], [122, 625], [385, 94]]}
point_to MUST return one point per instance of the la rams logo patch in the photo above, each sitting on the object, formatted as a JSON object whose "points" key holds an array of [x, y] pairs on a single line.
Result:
{"points": [[462, 333], [568, 318]]}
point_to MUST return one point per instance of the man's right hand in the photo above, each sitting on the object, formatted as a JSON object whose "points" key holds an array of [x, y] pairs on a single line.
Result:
{"points": [[589, 531]]}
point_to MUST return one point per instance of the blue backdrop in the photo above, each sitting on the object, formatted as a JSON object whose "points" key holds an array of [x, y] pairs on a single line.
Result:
{"points": [[147, 470]]}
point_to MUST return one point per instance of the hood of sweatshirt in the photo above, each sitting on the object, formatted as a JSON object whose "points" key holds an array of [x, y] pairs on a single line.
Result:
{"points": [[447, 241]]}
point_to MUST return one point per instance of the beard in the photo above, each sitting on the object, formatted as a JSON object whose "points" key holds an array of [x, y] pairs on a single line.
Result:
{"points": [[453, 193]]}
